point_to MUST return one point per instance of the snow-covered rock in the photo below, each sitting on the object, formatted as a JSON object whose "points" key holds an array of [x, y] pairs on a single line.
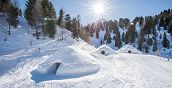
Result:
{"points": [[105, 49], [129, 49]]}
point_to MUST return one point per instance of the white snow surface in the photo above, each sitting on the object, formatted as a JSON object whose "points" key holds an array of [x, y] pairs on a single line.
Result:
{"points": [[127, 48], [25, 66]]}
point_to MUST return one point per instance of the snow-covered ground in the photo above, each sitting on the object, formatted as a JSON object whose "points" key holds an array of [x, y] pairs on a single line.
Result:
{"points": [[25, 66]]}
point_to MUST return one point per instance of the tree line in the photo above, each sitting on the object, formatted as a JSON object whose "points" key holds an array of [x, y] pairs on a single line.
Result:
{"points": [[73, 25], [149, 34], [42, 20]]}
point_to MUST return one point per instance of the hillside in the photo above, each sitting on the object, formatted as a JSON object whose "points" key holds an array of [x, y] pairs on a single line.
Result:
{"points": [[149, 34], [50, 50], [33, 66]]}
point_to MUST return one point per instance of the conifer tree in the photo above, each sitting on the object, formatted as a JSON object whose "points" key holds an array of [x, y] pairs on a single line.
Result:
{"points": [[170, 28], [123, 37], [4, 5], [155, 48], [165, 41], [75, 28], [48, 12], [118, 42], [130, 35], [30, 14], [61, 20], [68, 22], [12, 16]]}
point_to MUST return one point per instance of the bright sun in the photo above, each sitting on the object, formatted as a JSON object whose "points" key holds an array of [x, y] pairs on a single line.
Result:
{"points": [[98, 8]]}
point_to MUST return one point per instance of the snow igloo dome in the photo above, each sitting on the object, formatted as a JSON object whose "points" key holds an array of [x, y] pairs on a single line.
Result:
{"points": [[105, 50], [129, 49]]}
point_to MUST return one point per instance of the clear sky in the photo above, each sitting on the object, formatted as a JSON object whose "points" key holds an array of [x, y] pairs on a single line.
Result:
{"points": [[119, 8]]}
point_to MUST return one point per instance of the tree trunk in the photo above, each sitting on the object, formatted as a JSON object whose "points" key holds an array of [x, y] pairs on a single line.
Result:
{"points": [[28, 31], [37, 35], [9, 32]]}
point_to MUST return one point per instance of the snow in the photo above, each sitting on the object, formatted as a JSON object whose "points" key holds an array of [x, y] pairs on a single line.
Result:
{"points": [[72, 65], [105, 48], [129, 48], [25, 66]]}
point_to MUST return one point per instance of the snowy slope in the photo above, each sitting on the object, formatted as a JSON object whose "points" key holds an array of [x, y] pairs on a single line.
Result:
{"points": [[81, 68], [116, 71], [25, 66]]}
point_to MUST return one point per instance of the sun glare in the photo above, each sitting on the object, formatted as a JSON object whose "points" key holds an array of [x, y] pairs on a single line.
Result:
{"points": [[98, 8]]}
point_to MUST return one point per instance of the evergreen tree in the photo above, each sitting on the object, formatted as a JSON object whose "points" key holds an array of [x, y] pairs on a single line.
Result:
{"points": [[141, 21], [75, 28], [155, 48], [48, 12], [12, 16], [68, 22], [61, 20], [4, 5], [118, 42], [165, 41], [123, 37], [146, 49], [161, 21], [107, 37], [130, 35], [121, 23], [30, 14], [97, 34], [160, 36], [84, 34], [170, 28]]}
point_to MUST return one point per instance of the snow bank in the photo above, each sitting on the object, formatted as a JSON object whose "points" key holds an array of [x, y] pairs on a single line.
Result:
{"points": [[106, 49], [129, 49]]}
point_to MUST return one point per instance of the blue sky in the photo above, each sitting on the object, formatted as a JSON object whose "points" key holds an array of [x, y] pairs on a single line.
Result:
{"points": [[120, 8]]}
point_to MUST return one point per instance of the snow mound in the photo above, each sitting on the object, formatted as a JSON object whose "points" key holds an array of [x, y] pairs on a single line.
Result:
{"points": [[105, 49], [129, 49], [73, 64]]}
